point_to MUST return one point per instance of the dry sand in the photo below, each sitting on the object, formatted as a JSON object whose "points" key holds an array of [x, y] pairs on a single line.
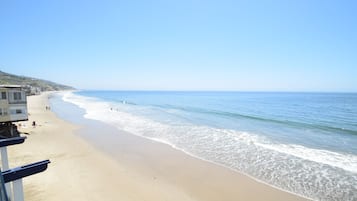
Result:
{"points": [[128, 168]]}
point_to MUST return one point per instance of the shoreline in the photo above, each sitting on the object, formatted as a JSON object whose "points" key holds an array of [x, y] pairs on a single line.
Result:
{"points": [[205, 161], [223, 166], [148, 171]]}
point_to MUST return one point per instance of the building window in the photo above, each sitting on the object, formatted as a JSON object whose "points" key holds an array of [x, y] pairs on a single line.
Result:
{"points": [[3, 95], [0, 111], [17, 95], [18, 111]]}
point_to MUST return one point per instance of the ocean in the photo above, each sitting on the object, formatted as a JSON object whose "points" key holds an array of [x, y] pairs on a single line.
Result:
{"points": [[304, 143]]}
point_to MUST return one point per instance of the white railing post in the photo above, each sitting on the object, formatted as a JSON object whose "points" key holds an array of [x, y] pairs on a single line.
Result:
{"points": [[5, 166], [18, 189]]}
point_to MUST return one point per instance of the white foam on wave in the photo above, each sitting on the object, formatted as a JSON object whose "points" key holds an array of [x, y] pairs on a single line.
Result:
{"points": [[344, 161], [86, 103]]}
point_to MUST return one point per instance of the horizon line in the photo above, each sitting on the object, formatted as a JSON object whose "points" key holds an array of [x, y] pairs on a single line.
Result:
{"points": [[205, 90]]}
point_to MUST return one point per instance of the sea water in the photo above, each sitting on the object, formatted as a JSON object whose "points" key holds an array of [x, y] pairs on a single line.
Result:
{"points": [[304, 143]]}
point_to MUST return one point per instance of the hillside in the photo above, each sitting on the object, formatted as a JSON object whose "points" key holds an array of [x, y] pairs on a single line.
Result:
{"points": [[42, 85]]}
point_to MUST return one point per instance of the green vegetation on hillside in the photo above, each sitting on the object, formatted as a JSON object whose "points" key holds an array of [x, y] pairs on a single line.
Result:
{"points": [[43, 85]]}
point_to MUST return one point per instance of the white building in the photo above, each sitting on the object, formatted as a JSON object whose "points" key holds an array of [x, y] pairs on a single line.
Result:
{"points": [[13, 104]]}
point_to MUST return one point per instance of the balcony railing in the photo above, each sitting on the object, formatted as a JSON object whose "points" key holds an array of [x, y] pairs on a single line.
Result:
{"points": [[17, 101], [14, 176]]}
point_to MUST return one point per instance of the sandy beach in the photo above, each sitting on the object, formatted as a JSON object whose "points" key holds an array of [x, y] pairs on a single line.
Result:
{"points": [[121, 166]]}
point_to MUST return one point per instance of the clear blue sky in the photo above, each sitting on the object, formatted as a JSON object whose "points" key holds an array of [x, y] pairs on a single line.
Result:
{"points": [[288, 45]]}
